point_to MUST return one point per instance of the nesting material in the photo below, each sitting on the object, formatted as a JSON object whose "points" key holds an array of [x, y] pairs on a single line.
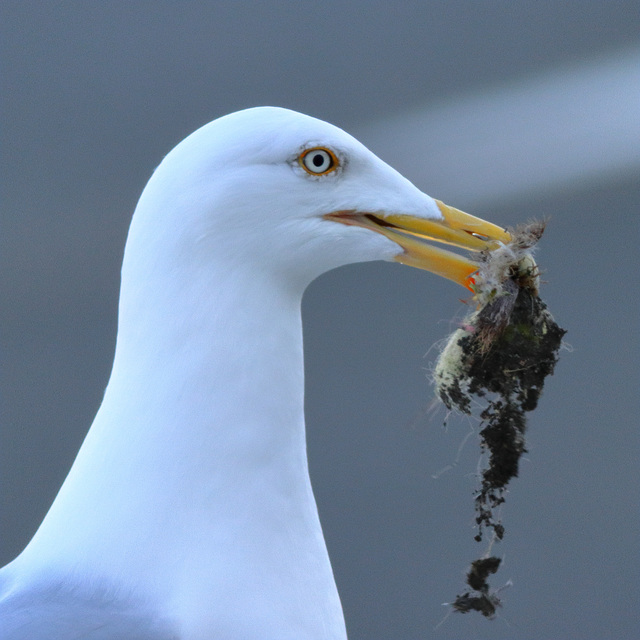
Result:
{"points": [[500, 356], [481, 599]]}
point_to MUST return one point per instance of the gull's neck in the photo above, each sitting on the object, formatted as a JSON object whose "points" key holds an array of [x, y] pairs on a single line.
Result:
{"points": [[192, 485]]}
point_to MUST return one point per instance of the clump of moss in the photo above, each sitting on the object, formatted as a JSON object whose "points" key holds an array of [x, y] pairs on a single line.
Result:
{"points": [[501, 354], [484, 601]]}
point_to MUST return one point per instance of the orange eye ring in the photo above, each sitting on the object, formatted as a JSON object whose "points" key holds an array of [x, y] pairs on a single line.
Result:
{"points": [[318, 161]]}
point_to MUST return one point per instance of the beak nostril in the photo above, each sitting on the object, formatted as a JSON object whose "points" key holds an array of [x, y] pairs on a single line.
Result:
{"points": [[480, 236], [379, 221]]}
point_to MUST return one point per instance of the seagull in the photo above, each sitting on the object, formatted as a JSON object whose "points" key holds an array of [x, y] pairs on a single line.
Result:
{"points": [[188, 513]]}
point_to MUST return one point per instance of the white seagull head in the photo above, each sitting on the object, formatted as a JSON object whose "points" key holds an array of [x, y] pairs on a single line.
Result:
{"points": [[284, 193]]}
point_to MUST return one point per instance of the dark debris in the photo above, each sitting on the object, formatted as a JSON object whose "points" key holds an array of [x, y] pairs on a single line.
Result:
{"points": [[485, 602], [502, 355]]}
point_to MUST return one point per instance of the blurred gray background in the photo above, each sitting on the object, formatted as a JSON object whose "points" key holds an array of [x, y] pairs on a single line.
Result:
{"points": [[508, 109]]}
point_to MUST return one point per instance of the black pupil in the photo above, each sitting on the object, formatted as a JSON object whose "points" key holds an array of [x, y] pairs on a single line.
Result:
{"points": [[318, 160]]}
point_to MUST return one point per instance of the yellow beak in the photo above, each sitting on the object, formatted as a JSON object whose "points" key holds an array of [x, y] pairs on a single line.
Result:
{"points": [[410, 232]]}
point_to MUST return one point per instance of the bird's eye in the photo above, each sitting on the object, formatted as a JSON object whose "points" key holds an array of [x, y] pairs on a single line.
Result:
{"points": [[318, 161]]}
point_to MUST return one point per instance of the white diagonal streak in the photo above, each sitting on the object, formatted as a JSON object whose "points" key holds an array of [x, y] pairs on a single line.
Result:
{"points": [[576, 124]]}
